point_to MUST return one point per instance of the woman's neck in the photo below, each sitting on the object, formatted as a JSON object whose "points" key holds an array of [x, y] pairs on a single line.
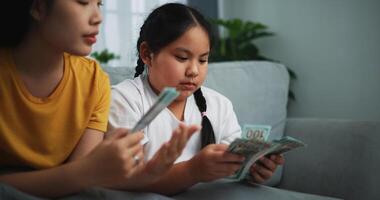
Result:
{"points": [[39, 65], [34, 57]]}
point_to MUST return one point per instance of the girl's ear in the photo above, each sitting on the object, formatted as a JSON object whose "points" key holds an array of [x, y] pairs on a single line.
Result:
{"points": [[38, 10], [145, 53]]}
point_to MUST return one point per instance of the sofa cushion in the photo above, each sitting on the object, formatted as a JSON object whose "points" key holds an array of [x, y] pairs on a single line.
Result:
{"points": [[341, 159], [257, 90], [118, 74]]}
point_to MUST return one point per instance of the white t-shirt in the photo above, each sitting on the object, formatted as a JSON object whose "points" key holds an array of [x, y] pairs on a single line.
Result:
{"points": [[131, 99]]}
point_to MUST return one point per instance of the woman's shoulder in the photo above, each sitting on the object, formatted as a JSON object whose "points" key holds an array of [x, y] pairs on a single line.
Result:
{"points": [[84, 65]]}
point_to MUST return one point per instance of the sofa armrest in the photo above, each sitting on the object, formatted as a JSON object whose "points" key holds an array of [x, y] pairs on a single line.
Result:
{"points": [[341, 160]]}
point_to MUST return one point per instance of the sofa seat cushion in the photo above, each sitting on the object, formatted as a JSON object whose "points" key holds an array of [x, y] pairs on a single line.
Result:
{"points": [[227, 190], [96, 193]]}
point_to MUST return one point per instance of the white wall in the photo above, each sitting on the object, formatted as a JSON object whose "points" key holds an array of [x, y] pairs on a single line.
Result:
{"points": [[332, 45]]}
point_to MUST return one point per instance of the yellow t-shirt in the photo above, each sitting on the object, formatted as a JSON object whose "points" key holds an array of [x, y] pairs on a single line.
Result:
{"points": [[42, 133]]}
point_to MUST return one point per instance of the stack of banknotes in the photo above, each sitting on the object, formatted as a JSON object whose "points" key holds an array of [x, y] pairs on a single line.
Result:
{"points": [[254, 144]]}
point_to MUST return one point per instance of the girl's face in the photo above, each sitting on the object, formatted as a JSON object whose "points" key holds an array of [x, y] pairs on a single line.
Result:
{"points": [[181, 64], [70, 25]]}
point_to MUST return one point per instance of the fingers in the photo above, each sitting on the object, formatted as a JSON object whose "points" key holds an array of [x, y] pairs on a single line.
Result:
{"points": [[132, 139], [177, 143], [186, 132], [231, 157], [260, 173], [264, 169], [172, 148], [219, 147], [117, 133], [140, 155], [134, 150], [268, 163], [258, 178], [278, 159]]}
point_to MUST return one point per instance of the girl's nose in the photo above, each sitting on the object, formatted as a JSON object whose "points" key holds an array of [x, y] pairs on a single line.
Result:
{"points": [[193, 69]]}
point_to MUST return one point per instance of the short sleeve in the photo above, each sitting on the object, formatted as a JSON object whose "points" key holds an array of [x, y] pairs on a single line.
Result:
{"points": [[99, 117], [124, 111], [230, 125]]}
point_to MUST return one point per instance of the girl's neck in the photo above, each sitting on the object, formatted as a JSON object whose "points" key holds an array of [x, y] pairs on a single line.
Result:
{"points": [[177, 107]]}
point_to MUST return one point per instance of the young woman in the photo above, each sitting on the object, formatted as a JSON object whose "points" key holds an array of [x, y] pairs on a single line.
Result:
{"points": [[54, 104], [173, 47]]}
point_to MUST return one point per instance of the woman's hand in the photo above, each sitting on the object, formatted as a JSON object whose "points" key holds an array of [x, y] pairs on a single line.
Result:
{"points": [[171, 150], [264, 169], [162, 160], [114, 159]]}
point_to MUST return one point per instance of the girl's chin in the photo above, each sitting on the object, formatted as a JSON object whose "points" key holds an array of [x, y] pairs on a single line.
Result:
{"points": [[184, 95]]}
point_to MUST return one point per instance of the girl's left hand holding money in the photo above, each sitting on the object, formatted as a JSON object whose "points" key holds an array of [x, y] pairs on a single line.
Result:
{"points": [[265, 167]]}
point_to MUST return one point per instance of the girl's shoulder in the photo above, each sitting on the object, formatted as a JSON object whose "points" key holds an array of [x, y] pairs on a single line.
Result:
{"points": [[129, 88]]}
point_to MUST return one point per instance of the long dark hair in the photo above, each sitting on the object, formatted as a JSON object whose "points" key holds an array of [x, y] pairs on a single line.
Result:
{"points": [[164, 25], [15, 20]]}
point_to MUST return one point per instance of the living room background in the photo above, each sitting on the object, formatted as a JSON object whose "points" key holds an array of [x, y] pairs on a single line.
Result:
{"points": [[333, 47]]}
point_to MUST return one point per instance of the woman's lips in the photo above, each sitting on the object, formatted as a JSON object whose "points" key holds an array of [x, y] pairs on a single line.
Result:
{"points": [[90, 39]]}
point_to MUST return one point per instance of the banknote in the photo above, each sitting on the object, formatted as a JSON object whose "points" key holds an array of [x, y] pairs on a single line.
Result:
{"points": [[164, 99], [253, 149], [259, 132]]}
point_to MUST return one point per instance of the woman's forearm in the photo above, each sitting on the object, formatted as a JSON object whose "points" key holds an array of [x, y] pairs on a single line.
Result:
{"points": [[55, 182]]}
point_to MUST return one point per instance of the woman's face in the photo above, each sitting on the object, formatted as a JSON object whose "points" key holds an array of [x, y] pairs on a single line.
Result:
{"points": [[69, 25], [182, 64]]}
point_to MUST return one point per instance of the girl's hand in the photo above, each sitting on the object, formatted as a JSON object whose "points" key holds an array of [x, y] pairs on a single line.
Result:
{"points": [[114, 159], [264, 169], [214, 162]]}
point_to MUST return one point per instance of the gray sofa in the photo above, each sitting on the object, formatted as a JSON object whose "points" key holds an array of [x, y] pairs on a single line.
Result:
{"points": [[340, 162]]}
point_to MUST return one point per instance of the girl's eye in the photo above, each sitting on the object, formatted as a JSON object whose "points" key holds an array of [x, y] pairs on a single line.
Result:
{"points": [[84, 3], [181, 58], [203, 61]]}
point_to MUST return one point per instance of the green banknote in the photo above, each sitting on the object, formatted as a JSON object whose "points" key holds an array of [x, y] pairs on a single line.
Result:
{"points": [[253, 149], [258, 132], [164, 99]]}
